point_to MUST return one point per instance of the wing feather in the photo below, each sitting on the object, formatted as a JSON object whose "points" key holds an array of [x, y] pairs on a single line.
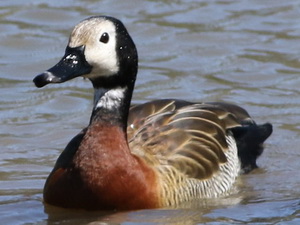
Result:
{"points": [[190, 137]]}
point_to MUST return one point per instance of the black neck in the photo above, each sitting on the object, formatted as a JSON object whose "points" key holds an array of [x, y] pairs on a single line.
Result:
{"points": [[111, 102], [124, 79]]}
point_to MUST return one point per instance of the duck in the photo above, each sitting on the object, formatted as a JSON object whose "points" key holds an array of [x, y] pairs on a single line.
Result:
{"points": [[161, 153]]}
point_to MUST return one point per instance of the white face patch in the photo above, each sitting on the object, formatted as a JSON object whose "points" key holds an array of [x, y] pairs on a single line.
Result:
{"points": [[101, 56], [109, 99]]}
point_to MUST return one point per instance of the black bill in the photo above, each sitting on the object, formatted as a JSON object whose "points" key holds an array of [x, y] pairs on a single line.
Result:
{"points": [[72, 65]]}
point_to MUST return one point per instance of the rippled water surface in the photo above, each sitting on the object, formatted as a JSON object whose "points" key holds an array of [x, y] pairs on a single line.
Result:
{"points": [[245, 52]]}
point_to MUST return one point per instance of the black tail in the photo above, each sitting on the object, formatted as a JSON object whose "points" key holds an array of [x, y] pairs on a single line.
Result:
{"points": [[250, 139]]}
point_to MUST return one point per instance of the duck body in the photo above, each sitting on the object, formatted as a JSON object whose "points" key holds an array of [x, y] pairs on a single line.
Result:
{"points": [[157, 154], [96, 172]]}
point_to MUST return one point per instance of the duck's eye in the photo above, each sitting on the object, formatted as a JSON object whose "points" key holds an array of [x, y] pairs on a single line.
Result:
{"points": [[104, 38]]}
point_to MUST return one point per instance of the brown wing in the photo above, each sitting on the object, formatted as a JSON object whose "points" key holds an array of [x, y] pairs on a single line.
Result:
{"points": [[240, 114], [191, 137]]}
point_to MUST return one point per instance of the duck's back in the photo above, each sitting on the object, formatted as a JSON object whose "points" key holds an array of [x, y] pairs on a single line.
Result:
{"points": [[193, 147]]}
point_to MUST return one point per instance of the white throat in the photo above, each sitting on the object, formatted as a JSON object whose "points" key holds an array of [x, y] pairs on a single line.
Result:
{"points": [[109, 99]]}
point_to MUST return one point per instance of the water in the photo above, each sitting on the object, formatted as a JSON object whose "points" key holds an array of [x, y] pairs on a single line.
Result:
{"points": [[245, 52]]}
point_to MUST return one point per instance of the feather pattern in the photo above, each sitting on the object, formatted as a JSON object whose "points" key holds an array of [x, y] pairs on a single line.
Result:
{"points": [[190, 144]]}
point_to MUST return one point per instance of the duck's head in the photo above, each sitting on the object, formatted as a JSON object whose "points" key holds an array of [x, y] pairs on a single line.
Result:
{"points": [[99, 49]]}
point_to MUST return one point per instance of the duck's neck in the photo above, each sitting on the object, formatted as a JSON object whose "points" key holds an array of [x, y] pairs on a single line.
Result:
{"points": [[111, 106]]}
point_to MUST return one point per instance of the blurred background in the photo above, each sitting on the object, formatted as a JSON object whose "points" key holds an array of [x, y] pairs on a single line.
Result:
{"points": [[244, 52]]}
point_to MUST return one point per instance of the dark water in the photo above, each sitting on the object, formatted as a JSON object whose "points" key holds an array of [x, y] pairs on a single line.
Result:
{"points": [[246, 52]]}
